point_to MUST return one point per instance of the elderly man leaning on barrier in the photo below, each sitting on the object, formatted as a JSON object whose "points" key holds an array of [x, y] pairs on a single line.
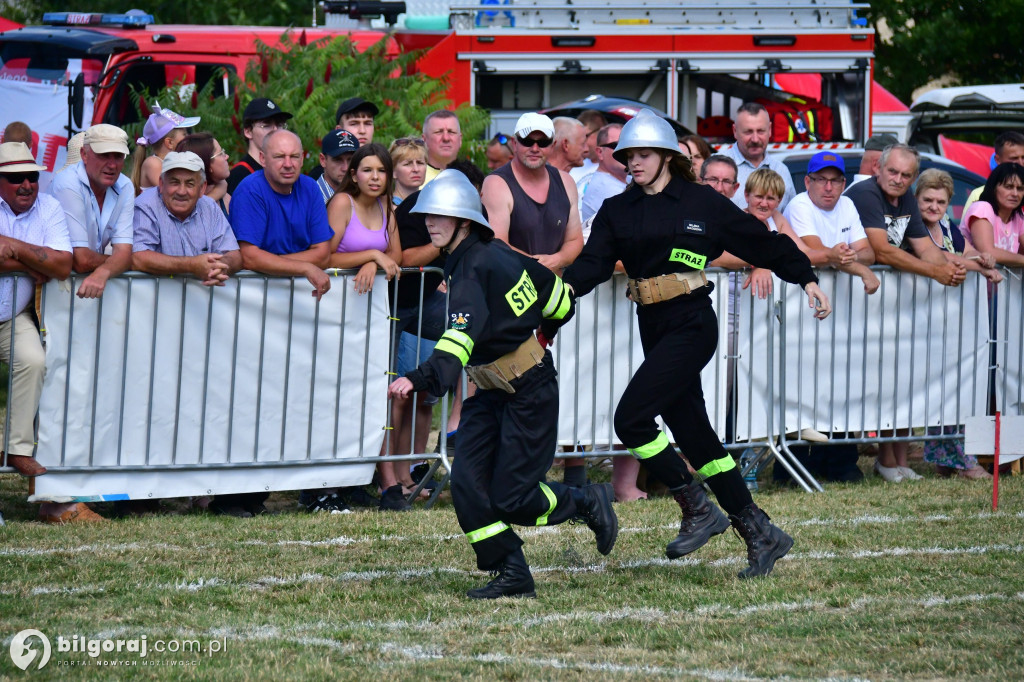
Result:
{"points": [[828, 223], [34, 239], [98, 202], [892, 221], [179, 230]]}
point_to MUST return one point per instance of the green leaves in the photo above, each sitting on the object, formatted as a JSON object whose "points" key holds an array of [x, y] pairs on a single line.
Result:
{"points": [[310, 80]]}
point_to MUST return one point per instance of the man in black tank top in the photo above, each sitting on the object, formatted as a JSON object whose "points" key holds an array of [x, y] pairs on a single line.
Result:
{"points": [[531, 205]]}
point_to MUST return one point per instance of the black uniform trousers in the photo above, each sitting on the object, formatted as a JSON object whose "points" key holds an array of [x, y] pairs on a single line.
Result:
{"points": [[668, 384], [506, 446]]}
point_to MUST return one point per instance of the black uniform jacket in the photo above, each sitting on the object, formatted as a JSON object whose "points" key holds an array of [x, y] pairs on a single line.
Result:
{"points": [[680, 229], [497, 298]]}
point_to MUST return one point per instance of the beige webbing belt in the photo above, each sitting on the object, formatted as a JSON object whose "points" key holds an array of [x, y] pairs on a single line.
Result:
{"points": [[508, 367], [665, 287]]}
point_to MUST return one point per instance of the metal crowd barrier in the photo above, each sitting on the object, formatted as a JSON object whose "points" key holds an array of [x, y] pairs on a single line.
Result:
{"points": [[260, 387]]}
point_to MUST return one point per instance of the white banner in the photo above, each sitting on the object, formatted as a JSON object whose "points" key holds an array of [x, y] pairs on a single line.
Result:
{"points": [[598, 351], [44, 107], [161, 380], [913, 354]]}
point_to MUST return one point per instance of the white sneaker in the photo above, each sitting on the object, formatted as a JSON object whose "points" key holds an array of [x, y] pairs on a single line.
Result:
{"points": [[891, 474], [809, 435], [909, 474]]}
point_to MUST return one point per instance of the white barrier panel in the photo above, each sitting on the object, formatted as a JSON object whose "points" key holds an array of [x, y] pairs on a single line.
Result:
{"points": [[1010, 349], [914, 354], [597, 352], [167, 388]]}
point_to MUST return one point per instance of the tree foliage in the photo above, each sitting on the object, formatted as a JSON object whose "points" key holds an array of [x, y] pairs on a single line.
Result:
{"points": [[308, 80], [972, 42]]}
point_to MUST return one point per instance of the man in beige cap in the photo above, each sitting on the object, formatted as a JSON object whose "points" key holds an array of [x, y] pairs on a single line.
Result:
{"points": [[98, 203], [33, 238], [179, 230]]}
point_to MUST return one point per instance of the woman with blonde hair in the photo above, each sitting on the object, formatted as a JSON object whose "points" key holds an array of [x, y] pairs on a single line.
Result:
{"points": [[409, 156]]}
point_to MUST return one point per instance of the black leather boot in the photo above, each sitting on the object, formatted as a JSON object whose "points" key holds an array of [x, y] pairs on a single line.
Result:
{"points": [[512, 579], [702, 520], [766, 543], [594, 507]]}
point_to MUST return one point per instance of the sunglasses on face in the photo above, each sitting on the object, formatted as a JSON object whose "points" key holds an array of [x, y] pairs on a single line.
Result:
{"points": [[542, 143], [19, 178], [414, 141]]}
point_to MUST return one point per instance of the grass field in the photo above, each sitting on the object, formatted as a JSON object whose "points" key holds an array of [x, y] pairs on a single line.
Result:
{"points": [[918, 580]]}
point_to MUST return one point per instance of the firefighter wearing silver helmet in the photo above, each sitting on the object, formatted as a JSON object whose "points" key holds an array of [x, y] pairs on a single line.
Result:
{"points": [[665, 229], [507, 435]]}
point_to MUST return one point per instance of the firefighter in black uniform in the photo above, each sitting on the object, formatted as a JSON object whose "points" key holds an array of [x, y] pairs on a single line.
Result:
{"points": [[665, 228], [507, 436]]}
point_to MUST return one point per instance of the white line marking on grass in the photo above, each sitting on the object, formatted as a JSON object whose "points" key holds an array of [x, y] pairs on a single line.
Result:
{"points": [[344, 541], [418, 653]]}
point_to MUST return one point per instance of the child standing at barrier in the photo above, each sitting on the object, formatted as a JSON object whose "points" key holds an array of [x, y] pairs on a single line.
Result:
{"points": [[507, 435], [163, 131], [665, 228]]}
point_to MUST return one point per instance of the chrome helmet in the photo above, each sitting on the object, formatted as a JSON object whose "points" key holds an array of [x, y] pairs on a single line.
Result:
{"points": [[452, 194], [649, 130]]}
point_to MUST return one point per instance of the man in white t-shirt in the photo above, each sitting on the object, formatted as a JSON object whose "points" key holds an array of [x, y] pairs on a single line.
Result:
{"points": [[829, 224]]}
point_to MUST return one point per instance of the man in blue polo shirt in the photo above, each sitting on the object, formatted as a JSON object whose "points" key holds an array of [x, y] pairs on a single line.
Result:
{"points": [[279, 219]]}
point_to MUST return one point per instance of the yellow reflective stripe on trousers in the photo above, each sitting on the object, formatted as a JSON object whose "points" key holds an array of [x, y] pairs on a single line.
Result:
{"points": [[486, 532], [457, 343], [652, 448], [717, 466], [558, 303], [552, 502]]}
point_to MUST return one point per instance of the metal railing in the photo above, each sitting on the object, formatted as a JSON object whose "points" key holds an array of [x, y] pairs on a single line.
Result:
{"points": [[257, 381]]}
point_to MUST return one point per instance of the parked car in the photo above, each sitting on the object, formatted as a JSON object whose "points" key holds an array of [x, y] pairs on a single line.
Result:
{"points": [[615, 109]]}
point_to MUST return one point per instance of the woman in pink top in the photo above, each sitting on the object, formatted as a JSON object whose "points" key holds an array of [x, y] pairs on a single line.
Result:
{"points": [[995, 222], [363, 218]]}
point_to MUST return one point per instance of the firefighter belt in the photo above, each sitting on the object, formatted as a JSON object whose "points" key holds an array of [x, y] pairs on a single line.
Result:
{"points": [[508, 367], [665, 287]]}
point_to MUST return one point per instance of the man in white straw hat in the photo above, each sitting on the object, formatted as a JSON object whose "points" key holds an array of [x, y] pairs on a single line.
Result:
{"points": [[33, 238], [98, 203]]}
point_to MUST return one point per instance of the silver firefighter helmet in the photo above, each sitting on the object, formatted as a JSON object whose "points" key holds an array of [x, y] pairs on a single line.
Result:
{"points": [[452, 194], [646, 129]]}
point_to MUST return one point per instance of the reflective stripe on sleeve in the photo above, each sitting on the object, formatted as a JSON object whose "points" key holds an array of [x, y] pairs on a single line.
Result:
{"points": [[486, 532], [456, 343], [558, 303], [652, 448], [552, 502], [717, 466]]}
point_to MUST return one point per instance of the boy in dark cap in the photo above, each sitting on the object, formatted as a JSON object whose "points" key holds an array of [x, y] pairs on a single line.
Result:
{"points": [[261, 116]]}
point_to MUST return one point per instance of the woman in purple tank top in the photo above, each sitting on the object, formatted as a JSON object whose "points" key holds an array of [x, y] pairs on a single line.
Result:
{"points": [[363, 219]]}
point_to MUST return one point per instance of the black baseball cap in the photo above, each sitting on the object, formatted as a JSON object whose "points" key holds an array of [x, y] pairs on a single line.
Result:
{"points": [[263, 108], [355, 104], [338, 142]]}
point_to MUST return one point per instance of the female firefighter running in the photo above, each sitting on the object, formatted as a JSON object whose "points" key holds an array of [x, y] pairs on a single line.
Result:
{"points": [[507, 436], [665, 228]]}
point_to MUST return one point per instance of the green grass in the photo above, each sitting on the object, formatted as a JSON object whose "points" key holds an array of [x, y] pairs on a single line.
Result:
{"points": [[917, 580]]}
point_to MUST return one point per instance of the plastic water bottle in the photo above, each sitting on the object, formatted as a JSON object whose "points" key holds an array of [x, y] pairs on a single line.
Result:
{"points": [[750, 478]]}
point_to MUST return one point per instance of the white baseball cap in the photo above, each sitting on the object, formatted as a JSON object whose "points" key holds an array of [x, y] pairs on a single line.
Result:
{"points": [[187, 160], [531, 122]]}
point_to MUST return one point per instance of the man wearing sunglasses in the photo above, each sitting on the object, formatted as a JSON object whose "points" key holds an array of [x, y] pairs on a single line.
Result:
{"points": [[499, 151], [530, 204], [33, 238]]}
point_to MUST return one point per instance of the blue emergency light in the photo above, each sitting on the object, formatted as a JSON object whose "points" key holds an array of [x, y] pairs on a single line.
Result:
{"points": [[130, 19]]}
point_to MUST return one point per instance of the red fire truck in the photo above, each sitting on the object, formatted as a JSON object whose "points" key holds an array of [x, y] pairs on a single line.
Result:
{"points": [[695, 60]]}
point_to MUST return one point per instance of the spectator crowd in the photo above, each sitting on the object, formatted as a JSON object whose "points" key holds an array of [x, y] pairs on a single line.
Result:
{"points": [[181, 207]]}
